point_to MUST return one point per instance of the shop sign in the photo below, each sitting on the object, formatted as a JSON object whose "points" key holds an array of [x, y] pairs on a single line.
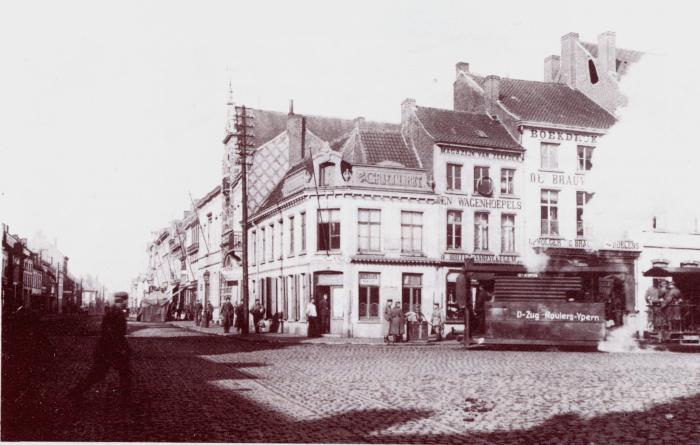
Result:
{"points": [[481, 203], [622, 245], [385, 177], [557, 179], [479, 154], [483, 258], [560, 243], [563, 136]]}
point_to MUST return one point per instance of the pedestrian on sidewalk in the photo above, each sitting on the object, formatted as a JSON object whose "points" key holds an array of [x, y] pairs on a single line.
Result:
{"points": [[198, 309], [397, 322], [437, 320], [240, 317], [258, 313], [387, 317], [311, 315], [227, 311], [325, 312], [112, 351]]}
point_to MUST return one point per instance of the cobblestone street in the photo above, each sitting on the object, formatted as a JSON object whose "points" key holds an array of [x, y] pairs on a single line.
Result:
{"points": [[189, 386]]}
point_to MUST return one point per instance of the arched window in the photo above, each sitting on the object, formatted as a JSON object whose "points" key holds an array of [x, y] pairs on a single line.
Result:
{"points": [[326, 174]]}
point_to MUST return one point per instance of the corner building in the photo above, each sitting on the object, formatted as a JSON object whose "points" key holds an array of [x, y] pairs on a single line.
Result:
{"points": [[366, 212]]}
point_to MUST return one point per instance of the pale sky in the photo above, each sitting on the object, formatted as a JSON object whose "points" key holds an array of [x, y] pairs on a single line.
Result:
{"points": [[110, 112]]}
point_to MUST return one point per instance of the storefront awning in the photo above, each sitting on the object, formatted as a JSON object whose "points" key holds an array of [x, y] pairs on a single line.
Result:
{"points": [[661, 272]]}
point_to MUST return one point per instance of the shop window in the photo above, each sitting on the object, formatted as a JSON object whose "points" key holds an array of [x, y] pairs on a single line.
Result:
{"points": [[368, 295], [584, 158], [411, 293], [507, 233], [411, 232], [255, 247], [454, 177], [453, 314], [507, 184], [328, 229], [481, 231], [549, 156], [582, 199], [368, 230], [549, 200], [454, 229]]}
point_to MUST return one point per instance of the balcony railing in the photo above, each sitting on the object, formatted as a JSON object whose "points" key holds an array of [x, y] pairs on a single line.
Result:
{"points": [[192, 248], [233, 241]]}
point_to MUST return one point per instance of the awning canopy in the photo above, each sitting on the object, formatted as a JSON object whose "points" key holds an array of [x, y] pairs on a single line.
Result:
{"points": [[661, 272]]}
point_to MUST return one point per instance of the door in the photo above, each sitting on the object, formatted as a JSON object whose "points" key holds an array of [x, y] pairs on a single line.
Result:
{"points": [[323, 300], [338, 304]]}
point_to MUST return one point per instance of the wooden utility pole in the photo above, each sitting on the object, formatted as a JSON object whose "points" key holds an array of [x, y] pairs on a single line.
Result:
{"points": [[245, 140]]}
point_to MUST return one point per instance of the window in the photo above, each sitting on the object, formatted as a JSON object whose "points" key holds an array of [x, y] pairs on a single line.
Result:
{"points": [[549, 212], [454, 177], [328, 235], [549, 156], [281, 226], [255, 247], [454, 229], [272, 241], [507, 186], [193, 235], [481, 231], [263, 252], [411, 232], [326, 174], [479, 174], [368, 230], [183, 264], [291, 235], [411, 292], [303, 232], [582, 199], [584, 158], [209, 220], [507, 233], [368, 295]]}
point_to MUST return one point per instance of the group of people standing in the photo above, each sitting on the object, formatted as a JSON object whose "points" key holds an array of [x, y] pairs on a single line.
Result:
{"points": [[397, 318], [664, 308], [318, 318]]}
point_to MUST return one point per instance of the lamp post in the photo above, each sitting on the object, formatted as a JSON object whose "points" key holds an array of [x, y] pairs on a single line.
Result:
{"points": [[205, 315]]}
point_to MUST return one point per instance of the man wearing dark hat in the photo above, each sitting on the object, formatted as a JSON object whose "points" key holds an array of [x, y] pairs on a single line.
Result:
{"points": [[111, 351]]}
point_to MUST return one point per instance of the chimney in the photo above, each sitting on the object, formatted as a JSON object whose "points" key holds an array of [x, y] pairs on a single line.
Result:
{"points": [[296, 132], [359, 122], [408, 107], [568, 59], [606, 52], [551, 68], [492, 86], [461, 67]]}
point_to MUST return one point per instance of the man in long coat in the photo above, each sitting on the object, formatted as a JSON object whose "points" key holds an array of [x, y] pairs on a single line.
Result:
{"points": [[397, 321], [240, 315], [227, 311], [258, 313]]}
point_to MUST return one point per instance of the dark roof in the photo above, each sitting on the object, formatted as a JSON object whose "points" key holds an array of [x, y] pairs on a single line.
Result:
{"points": [[622, 56], [464, 128], [550, 102], [276, 193], [270, 124], [382, 146]]}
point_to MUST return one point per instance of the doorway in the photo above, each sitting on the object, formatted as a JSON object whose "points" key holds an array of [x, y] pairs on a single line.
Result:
{"points": [[323, 307]]}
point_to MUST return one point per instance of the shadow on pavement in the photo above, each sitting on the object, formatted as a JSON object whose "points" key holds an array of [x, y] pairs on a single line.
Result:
{"points": [[183, 394]]}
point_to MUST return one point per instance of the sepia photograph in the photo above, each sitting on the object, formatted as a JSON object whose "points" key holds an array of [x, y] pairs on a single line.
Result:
{"points": [[402, 222]]}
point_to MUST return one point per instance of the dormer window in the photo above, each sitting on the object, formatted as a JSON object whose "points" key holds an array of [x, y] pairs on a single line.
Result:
{"points": [[326, 174]]}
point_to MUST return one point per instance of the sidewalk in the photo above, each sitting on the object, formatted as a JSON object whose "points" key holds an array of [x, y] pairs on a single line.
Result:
{"points": [[297, 339]]}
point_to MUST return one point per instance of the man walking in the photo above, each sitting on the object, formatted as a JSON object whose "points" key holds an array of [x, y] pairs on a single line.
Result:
{"points": [[227, 314], [112, 351]]}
